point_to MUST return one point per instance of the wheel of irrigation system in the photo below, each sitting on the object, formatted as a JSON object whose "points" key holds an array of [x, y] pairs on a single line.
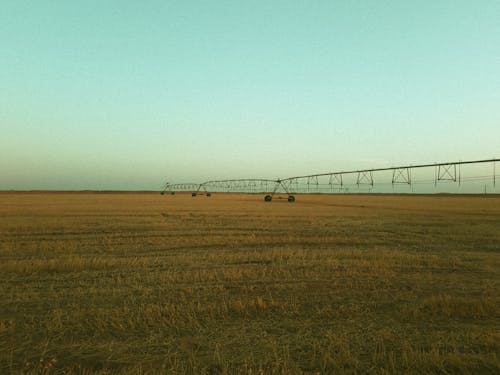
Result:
{"points": [[209, 194], [291, 198], [193, 194], [268, 198]]}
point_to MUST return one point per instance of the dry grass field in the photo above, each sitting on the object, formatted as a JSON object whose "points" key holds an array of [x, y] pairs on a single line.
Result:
{"points": [[144, 283]]}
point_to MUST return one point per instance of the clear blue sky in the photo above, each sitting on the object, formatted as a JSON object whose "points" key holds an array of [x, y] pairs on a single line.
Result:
{"points": [[128, 94]]}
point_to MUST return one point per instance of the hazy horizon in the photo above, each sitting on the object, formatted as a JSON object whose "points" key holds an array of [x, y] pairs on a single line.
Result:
{"points": [[127, 95]]}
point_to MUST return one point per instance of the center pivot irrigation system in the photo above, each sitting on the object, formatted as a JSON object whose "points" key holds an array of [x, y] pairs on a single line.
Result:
{"points": [[334, 181]]}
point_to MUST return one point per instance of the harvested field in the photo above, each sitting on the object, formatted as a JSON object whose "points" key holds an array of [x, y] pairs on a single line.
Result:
{"points": [[130, 283]]}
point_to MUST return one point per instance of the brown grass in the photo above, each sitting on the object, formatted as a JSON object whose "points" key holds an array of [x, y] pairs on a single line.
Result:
{"points": [[143, 283]]}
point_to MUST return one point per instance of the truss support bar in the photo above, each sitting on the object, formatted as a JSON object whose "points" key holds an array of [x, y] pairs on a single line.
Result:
{"points": [[401, 176], [277, 186], [447, 172], [365, 178], [336, 179], [312, 180]]}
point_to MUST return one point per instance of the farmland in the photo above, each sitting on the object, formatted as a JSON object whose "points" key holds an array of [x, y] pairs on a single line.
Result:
{"points": [[144, 283]]}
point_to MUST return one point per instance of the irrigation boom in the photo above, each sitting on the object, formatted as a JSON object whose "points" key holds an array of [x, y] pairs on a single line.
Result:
{"points": [[449, 172]]}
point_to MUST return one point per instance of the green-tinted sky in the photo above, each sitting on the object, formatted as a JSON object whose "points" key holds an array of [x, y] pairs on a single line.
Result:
{"points": [[128, 94]]}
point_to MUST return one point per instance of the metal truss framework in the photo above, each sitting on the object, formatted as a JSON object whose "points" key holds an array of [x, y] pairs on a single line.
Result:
{"points": [[325, 182]]}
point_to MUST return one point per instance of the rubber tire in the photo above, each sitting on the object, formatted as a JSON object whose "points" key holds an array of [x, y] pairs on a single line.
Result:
{"points": [[268, 198], [209, 194], [193, 194], [291, 198]]}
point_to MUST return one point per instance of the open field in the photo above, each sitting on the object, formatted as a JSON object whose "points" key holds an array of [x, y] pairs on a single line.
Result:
{"points": [[131, 283]]}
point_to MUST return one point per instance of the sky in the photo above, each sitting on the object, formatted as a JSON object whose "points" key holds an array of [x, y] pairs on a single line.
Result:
{"points": [[130, 94]]}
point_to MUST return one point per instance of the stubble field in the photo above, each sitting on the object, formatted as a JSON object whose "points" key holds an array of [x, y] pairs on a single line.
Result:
{"points": [[143, 283]]}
